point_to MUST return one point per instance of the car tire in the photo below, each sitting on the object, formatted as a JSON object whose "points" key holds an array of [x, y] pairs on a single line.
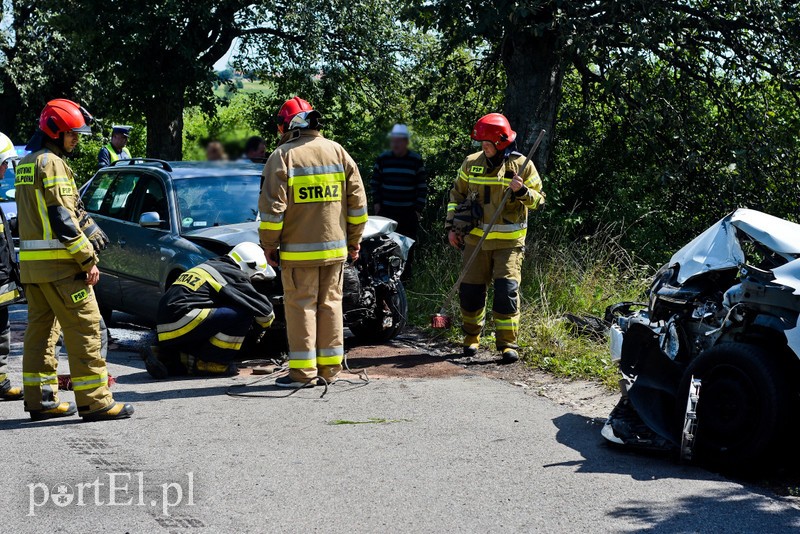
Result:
{"points": [[373, 332], [742, 411], [107, 314]]}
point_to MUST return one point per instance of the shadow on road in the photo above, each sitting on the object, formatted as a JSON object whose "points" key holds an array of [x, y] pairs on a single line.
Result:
{"points": [[757, 505], [737, 509], [582, 434], [403, 361], [170, 392], [24, 422]]}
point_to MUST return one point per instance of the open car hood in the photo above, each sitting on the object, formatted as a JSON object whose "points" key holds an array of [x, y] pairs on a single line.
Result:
{"points": [[718, 248]]}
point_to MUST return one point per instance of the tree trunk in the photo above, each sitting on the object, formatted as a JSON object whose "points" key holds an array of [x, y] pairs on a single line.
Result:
{"points": [[535, 74], [10, 103], [165, 126]]}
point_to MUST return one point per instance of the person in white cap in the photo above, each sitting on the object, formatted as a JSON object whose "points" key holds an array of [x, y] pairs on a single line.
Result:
{"points": [[400, 185]]}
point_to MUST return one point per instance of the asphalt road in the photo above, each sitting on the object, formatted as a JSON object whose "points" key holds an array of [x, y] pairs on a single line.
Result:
{"points": [[460, 453]]}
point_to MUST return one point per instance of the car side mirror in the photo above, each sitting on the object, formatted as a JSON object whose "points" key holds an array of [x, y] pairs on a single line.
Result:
{"points": [[150, 219]]}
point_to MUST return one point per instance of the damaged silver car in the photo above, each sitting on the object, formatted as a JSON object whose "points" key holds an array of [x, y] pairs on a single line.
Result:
{"points": [[711, 364]]}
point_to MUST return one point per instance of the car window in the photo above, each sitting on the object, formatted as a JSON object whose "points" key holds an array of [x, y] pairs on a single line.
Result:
{"points": [[217, 201], [109, 195], [7, 185], [151, 197]]}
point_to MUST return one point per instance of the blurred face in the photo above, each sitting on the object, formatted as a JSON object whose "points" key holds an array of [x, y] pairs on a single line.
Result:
{"points": [[489, 149], [71, 140], [3, 169], [260, 153], [398, 145], [214, 152], [119, 141]]}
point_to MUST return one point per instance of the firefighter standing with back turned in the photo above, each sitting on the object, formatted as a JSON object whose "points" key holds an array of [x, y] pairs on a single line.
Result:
{"points": [[478, 191], [58, 262], [313, 208]]}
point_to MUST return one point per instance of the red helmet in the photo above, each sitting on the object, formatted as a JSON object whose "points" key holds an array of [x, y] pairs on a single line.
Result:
{"points": [[294, 114], [62, 115], [494, 128]]}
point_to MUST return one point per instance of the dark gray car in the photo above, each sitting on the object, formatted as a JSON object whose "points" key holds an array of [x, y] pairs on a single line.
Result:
{"points": [[164, 218]]}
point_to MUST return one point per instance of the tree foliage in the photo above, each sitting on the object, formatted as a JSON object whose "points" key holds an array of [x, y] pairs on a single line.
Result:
{"points": [[663, 114], [538, 41]]}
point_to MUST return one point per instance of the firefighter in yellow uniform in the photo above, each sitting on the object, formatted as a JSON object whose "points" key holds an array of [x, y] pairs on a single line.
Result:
{"points": [[477, 193], [58, 263], [313, 211]]}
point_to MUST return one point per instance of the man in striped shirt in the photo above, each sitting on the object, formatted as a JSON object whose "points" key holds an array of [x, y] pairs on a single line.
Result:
{"points": [[400, 184]]}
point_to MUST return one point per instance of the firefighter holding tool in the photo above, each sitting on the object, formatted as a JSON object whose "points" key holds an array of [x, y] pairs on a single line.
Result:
{"points": [[58, 263], [477, 194], [313, 211]]}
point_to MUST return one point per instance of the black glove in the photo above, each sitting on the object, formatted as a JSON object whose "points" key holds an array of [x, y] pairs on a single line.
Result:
{"points": [[97, 237]]}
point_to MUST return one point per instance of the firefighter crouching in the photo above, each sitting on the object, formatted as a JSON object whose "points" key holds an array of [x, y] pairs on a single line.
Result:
{"points": [[313, 208], [10, 290], [205, 315], [58, 261], [478, 191]]}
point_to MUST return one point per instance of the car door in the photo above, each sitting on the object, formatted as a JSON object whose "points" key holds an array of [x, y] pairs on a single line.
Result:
{"points": [[146, 249], [108, 199]]}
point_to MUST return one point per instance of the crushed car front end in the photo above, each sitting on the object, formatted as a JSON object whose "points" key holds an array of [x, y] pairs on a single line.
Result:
{"points": [[710, 363]]}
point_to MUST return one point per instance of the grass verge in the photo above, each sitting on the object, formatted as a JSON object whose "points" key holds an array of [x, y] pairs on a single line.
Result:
{"points": [[559, 276]]}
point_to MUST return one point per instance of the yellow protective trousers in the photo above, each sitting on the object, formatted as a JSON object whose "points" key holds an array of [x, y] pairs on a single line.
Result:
{"points": [[70, 303], [503, 268], [314, 323]]}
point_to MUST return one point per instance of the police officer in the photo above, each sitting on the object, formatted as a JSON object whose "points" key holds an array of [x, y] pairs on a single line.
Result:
{"points": [[313, 211], [116, 149], [10, 289], [483, 180], [58, 262], [204, 316]]}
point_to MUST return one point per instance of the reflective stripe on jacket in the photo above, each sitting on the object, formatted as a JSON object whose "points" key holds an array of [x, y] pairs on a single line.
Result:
{"points": [[313, 204], [52, 245], [10, 289], [489, 185], [217, 283]]}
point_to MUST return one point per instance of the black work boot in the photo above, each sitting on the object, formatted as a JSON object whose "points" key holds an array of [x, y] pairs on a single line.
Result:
{"points": [[155, 367], [214, 369], [289, 382], [64, 409], [471, 345], [510, 355], [9, 392], [117, 410]]}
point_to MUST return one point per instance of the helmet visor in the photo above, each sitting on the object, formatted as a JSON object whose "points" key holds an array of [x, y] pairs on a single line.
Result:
{"points": [[84, 130]]}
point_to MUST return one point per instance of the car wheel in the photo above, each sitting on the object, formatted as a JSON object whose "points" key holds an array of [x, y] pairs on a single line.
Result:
{"points": [[742, 407], [373, 331]]}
